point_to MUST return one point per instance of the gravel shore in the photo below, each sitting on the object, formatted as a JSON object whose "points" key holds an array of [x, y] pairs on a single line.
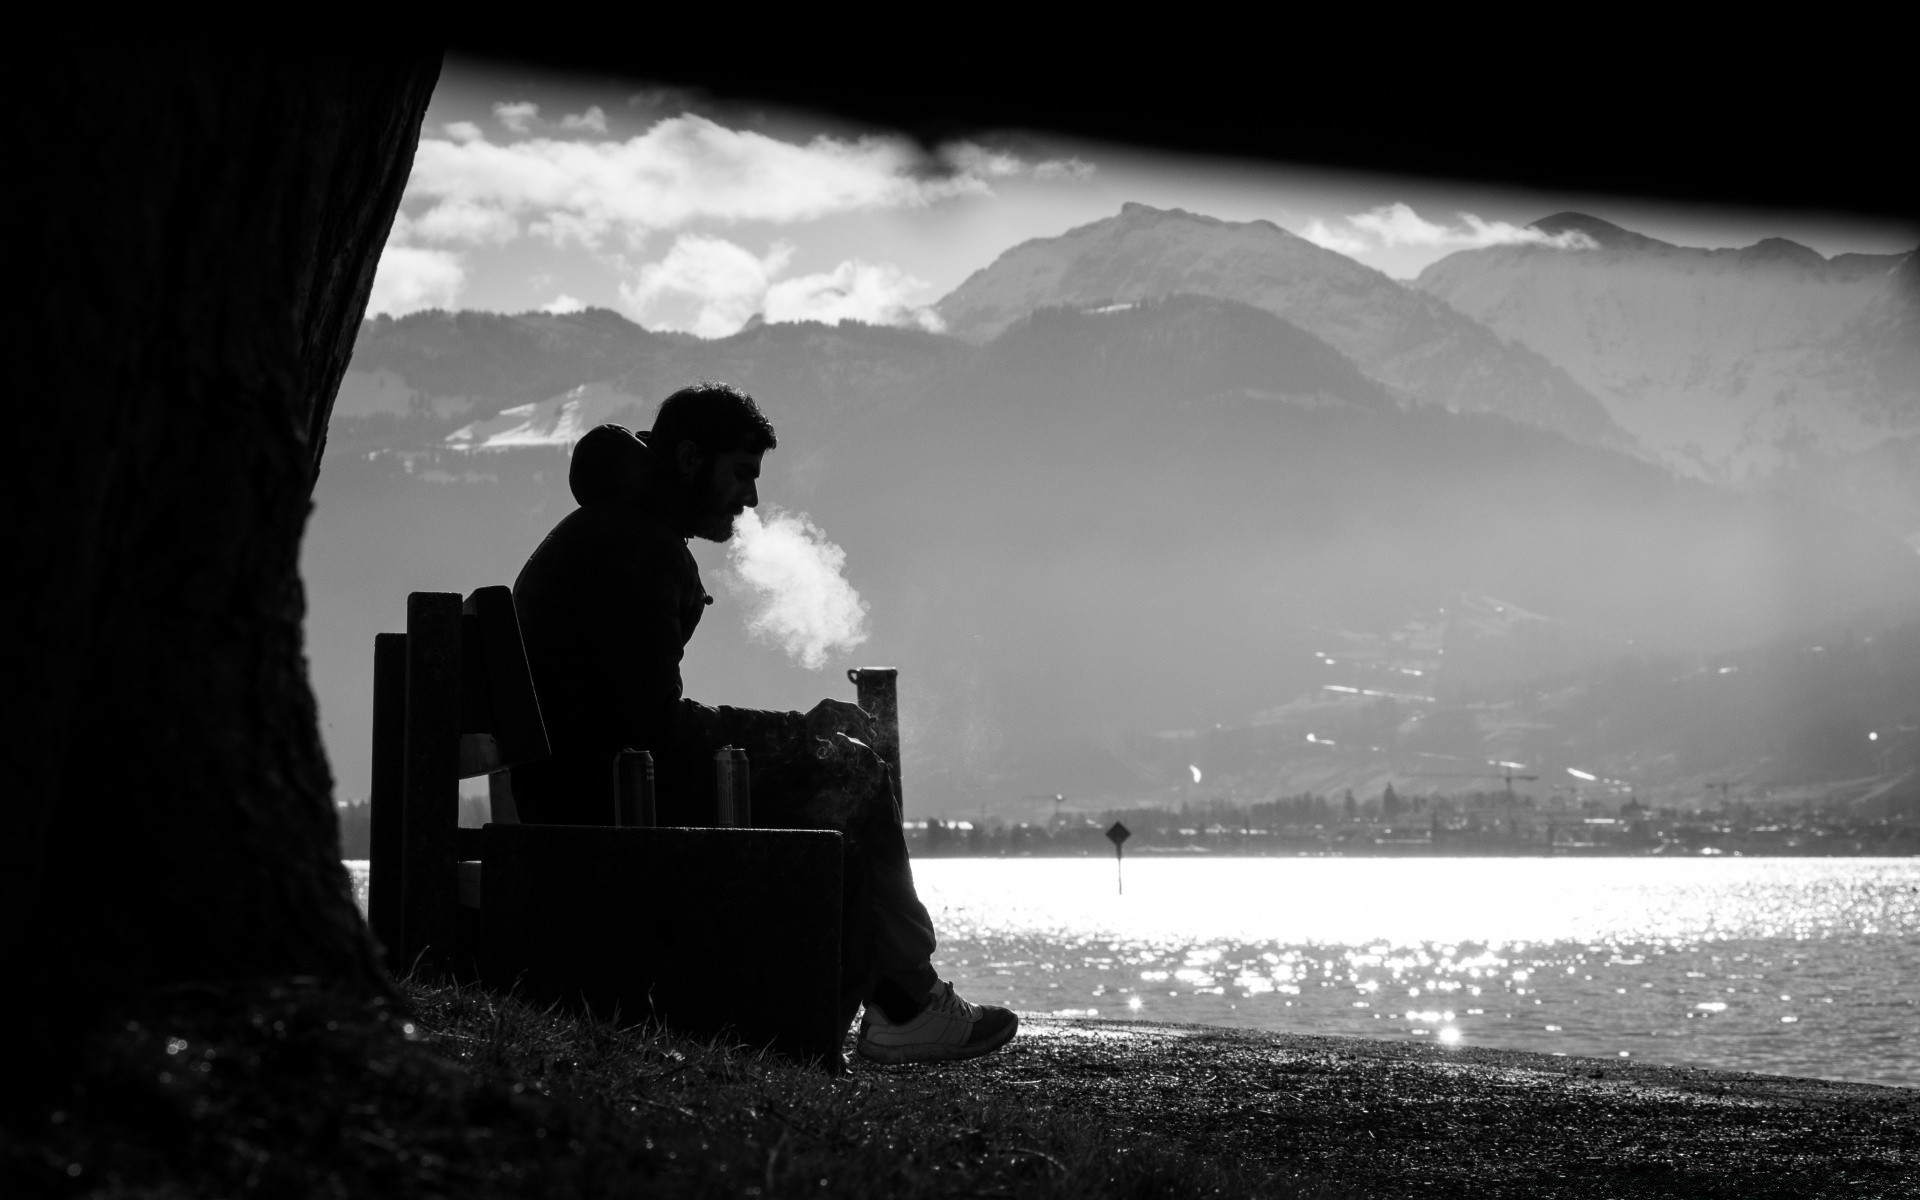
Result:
{"points": [[1380, 1118]]}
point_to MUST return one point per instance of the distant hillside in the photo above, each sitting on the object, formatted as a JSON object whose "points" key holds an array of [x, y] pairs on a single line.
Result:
{"points": [[1768, 362], [1827, 716], [1094, 525], [1141, 520], [1398, 336], [420, 382]]}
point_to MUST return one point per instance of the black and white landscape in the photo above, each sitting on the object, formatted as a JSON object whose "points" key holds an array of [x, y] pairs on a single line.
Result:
{"points": [[1406, 586], [1169, 492]]}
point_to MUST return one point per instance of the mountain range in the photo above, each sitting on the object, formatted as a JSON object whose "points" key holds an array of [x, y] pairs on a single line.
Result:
{"points": [[1767, 363], [1401, 337], [1094, 512]]}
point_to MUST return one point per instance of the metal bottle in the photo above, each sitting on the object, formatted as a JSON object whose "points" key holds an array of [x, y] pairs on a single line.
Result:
{"points": [[732, 796], [633, 789]]}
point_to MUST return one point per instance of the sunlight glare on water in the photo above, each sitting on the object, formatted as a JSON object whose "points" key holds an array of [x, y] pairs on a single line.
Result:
{"points": [[1782, 965]]}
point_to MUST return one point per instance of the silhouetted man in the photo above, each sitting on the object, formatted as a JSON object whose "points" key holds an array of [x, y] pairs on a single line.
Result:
{"points": [[607, 604]]}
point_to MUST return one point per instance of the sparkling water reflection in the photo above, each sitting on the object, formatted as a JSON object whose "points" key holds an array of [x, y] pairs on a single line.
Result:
{"points": [[1795, 966]]}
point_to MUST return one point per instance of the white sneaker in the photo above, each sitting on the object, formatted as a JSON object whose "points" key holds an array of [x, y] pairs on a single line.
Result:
{"points": [[948, 1028]]}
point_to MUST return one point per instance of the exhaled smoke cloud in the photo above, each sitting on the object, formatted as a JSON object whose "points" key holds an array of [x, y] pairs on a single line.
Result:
{"points": [[801, 601]]}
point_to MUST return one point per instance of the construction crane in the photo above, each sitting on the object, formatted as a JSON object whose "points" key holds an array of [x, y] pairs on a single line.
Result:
{"points": [[1506, 772]]}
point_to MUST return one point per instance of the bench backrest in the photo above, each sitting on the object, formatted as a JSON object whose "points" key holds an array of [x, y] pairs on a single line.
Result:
{"points": [[452, 699]]}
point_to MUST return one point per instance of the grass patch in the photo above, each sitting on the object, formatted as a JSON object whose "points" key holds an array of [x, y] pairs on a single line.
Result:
{"points": [[293, 1090]]}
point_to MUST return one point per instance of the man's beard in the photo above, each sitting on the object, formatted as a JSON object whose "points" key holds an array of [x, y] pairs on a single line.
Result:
{"points": [[711, 530], [712, 520]]}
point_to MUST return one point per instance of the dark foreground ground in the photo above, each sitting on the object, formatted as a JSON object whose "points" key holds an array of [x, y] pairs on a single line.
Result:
{"points": [[290, 1091]]}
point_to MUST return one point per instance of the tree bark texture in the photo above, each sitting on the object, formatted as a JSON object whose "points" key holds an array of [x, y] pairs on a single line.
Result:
{"points": [[204, 222]]}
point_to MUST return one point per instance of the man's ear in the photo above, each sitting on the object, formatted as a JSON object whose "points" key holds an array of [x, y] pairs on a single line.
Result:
{"points": [[688, 460]]}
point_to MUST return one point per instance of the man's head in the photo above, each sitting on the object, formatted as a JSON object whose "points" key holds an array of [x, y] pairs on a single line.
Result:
{"points": [[712, 436]]}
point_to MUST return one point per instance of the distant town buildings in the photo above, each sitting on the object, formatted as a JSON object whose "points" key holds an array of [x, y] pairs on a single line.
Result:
{"points": [[1491, 823]]}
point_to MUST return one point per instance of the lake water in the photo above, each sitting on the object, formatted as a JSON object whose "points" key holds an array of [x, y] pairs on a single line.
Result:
{"points": [[1801, 966]]}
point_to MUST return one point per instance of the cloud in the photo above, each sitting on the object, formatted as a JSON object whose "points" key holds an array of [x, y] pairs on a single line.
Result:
{"points": [[712, 287], [518, 117], [1399, 225], [611, 196], [1396, 225], [873, 293], [705, 285], [593, 120], [689, 168], [465, 222], [563, 303], [1062, 168], [523, 117], [977, 161], [801, 599], [1327, 237], [410, 278]]}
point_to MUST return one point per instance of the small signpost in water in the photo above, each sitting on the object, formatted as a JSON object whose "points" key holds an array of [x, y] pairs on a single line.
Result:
{"points": [[1118, 835]]}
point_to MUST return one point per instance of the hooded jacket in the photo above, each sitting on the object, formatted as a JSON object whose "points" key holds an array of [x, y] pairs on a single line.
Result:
{"points": [[607, 604]]}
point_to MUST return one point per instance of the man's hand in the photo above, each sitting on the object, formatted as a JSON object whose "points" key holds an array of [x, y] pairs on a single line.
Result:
{"points": [[837, 716]]}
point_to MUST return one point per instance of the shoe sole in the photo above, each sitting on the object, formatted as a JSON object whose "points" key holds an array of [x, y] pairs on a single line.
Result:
{"points": [[889, 1054]]}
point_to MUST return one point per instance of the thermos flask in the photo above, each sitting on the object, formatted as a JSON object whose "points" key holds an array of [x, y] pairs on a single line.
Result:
{"points": [[877, 689]]}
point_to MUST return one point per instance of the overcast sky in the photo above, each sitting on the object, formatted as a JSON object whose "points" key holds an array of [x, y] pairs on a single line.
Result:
{"points": [[686, 212]]}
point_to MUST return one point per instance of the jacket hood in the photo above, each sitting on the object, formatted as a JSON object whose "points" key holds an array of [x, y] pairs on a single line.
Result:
{"points": [[610, 464]]}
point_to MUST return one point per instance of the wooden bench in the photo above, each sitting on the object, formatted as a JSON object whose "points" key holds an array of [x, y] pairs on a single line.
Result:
{"points": [[708, 931]]}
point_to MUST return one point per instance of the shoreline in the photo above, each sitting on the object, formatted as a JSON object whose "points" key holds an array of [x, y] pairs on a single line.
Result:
{"points": [[1410, 1118], [1113, 1026], [1050, 1028]]}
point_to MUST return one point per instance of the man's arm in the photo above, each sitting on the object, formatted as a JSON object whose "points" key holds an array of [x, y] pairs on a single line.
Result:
{"points": [[761, 732]]}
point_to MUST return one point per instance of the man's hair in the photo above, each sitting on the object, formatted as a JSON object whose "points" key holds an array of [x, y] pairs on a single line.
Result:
{"points": [[719, 418]]}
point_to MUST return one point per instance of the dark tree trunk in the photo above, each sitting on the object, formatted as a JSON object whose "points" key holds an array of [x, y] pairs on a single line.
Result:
{"points": [[203, 225]]}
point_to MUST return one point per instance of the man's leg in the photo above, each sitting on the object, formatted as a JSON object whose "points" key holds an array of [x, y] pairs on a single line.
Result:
{"points": [[903, 937], [852, 792], [920, 1018], [912, 1016]]}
